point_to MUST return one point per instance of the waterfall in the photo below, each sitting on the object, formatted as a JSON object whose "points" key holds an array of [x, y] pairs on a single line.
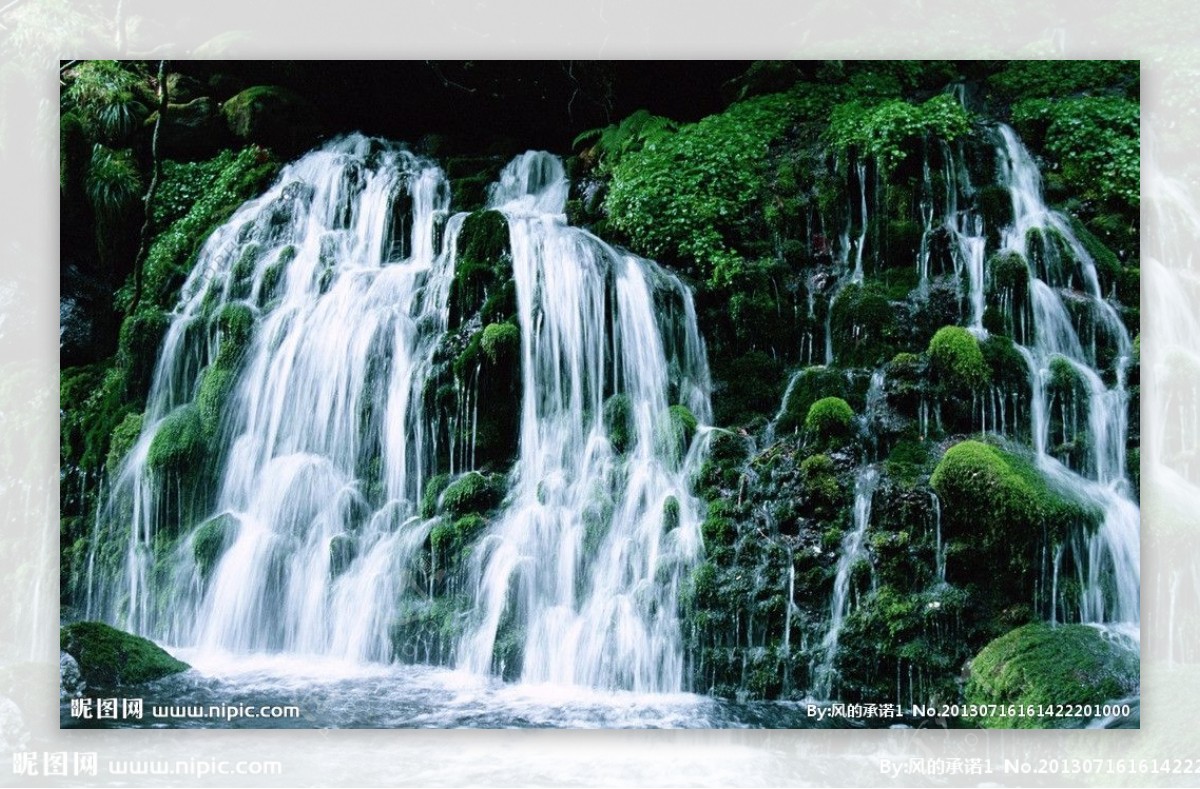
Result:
{"points": [[852, 549], [301, 345], [584, 566], [1061, 270], [320, 305]]}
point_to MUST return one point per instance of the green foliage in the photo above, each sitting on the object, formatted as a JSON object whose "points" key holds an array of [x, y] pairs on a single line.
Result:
{"points": [[183, 184], [105, 95], [179, 443], [210, 540], [1026, 79], [614, 141], [688, 195], [882, 131], [108, 657], [173, 252], [473, 493], [1040, 664], [1095, 140], [500, 341], [114, 183], [956, 359], [830, 419]]}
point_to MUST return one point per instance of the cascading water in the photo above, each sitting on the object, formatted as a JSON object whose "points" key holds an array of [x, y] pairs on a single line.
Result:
{"points": [[337, 282], [1107, 560], [584, 566], [333, 274], [852, 550]]}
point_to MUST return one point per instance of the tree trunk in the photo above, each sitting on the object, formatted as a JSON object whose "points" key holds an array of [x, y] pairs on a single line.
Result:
{"points": [[139, 262]]}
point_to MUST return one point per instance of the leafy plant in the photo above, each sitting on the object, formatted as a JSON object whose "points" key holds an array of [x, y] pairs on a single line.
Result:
{"points": [[880, 131], [1094, 140], [688, 195], [614, 141]]}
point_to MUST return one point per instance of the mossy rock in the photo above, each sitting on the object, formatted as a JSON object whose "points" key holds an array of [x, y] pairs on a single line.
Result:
{"points": [[342, 551], [108, 657], [618, 422], [210, 541], [500, 341], [272, 116], [123, 439], [1040, 664], [956, 360], [482, 269], [682, 425], [451, 539], [1001, 510], [179, 443], [211, 397], [830, 419], [235, 322], [433, 492], [811, 384], [670, 514], [473, 493]]}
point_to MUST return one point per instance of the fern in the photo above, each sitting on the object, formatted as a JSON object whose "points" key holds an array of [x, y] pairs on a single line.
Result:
{"points": [[616, 140]]}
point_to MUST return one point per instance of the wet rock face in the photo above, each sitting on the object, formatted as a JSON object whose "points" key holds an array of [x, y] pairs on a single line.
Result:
{"points": [[71, 684]]}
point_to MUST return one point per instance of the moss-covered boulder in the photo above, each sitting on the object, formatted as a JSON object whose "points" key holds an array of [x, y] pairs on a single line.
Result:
{"points": [[272, 116], [1040, 664], [108, 657], [210, 541], [473, 493], [830, 420], [500, 341], [179, 442], [618, 421], [956, 360]]}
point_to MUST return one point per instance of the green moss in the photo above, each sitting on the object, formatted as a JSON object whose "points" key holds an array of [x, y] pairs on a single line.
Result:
{"points": [[618, 421], [994, 497], [473, 493], [863, 326], [235, 322], [819, 482], [215, 386], [210, 540], [812, 384], [682, 423], [123, 438], [179, 442], [108, 657], [137, 350], [830, 419], [342, 550], [670, 514], [451, 539], [1010, 273], [1006, 364], [433, 491], [500, 341], [956, 359], [274, 275], [1039, 664], [482, 269]]}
